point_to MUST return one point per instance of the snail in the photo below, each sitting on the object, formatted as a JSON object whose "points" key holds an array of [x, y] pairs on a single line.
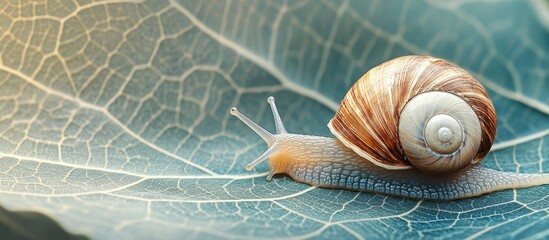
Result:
{"points": [[415, 127]]}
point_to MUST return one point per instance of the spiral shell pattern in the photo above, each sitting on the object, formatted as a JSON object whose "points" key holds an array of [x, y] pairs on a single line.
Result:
{"points": [[368, 118], [439, 132]]}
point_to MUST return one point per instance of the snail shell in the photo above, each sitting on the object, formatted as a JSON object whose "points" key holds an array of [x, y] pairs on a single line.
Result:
{"points": [[417, 111]]}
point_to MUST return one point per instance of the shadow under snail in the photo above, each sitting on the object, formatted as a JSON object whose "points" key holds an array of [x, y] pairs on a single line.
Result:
{"points": [[415, 127]]}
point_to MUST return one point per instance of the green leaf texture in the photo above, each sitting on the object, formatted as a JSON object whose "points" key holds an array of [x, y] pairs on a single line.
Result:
{"points": [[114, 114]]}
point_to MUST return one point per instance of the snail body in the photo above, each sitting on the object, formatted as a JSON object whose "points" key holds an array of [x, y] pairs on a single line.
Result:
{"points": [[415, 127]]}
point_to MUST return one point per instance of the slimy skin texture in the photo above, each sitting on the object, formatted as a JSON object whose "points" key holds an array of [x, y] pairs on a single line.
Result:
{"points": [[326, 162]]}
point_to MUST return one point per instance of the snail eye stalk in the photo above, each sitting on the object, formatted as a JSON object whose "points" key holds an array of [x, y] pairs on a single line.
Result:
{"points": [[280, 129], [268, 137]]}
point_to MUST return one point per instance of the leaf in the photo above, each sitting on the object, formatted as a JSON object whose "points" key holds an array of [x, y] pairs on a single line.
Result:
{"points": [[114, 115]]}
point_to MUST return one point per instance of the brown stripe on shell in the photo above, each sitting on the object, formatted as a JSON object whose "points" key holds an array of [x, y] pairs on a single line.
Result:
{"points": [[367, 119]]}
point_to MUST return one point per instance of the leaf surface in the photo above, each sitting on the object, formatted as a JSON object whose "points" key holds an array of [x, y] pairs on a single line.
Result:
{"points": [[114, 115]]}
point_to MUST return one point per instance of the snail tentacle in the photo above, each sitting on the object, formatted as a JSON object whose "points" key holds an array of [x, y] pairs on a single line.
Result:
{"points": [[272, 172], [269, 138], [262, 157], [280, 129], [266, 135]]}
